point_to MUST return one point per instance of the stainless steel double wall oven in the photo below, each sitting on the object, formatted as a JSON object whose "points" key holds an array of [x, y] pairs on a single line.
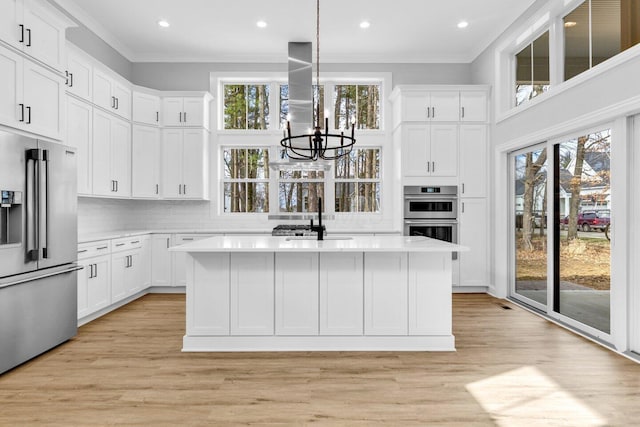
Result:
{"points": [[431, 212]]}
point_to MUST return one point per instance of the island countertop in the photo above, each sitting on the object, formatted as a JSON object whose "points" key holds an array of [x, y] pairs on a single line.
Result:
{"points": [[259, 243]]}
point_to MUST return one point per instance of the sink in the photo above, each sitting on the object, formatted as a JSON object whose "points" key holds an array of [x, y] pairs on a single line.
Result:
{"points": [[315, 238]]}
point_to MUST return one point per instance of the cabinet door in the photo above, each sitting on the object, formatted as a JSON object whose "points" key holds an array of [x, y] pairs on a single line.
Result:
{"points": [[341, 293], [103, 90], [445, 106], [429, 293], [296, 294], [415, 107], [473, 233], [99, 289], [161, 260], [43, 95], [385, 293], [194, 163], [146, 108], [134, 273], [416, 150], [46, 37], [179, 262], [10, 20], [193, 112], [119, 266], [145, 262], [172, 163], [79, 135], [172, 109], [473, 106], [444, 150], [80, 75], [473, 161], [101, 151], [83, 281], [252, 293], [122, 94], [145, 162], [121, 156], [10, 86]]}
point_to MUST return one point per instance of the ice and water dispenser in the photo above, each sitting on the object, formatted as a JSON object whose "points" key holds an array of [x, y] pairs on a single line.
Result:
{"points": [[10, 217]]}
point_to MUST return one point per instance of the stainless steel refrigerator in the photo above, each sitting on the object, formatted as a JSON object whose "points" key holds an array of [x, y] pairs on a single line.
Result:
{"points": [[38, 247]]}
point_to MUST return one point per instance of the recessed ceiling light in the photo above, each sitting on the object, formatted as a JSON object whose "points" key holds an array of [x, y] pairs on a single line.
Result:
{"points": [[570, 24], [365, 24], [163, 23], [463, 24], [261, 24]]}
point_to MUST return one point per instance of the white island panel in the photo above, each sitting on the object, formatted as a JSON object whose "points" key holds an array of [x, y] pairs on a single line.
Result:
{"points": [[252, 293], [208, 303], [341, 293], [429, 294], [385, 293], [297, 294]]}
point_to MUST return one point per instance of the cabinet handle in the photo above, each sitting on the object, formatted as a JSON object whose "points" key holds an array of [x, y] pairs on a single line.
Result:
{"points": [[90, 271], [463, 112], [187, 239], [102, 247], [66, 76], [157, 116], [167, 243], [117, 103], [463, 188], [157, 189], [116, 186], [185, 116], [433, 167], [179, 188], [82, 251], [21, 33], [184, 189], [135, 242], [180, 117], [71, 81], [428, 112], [21, 112], [113, 102], [433, 112], [28, 115], [119, 244], [95, 271], [428, 166], [462, 207], [29, 37]]}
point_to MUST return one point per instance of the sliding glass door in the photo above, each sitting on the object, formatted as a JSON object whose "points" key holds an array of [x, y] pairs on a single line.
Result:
{"points": [[529, 198], [575, 286]]}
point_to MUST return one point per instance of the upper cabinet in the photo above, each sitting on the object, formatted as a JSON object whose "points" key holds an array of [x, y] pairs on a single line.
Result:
{"points": [[146, 108], [191, 111], [79, 74], [111, 93], [473, 106], [35, 28]]}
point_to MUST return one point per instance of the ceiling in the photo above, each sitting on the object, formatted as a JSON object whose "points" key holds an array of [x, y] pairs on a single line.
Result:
{"points": [[413, 31]]}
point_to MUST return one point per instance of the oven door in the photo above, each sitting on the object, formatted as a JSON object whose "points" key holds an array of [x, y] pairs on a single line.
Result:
{"points": [[430, 208], [441, 230]]}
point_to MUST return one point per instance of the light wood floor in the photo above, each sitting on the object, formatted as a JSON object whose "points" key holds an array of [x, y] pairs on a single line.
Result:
{"points": [[511, 369]]}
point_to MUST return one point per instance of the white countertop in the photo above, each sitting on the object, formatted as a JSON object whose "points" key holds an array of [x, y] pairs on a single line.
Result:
{"points": [[331, 244]]}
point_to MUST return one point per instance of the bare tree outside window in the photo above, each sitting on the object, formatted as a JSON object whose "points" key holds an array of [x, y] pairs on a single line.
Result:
{"points": [[357, 186], [246, 106], [246, 180], [357, 102]]}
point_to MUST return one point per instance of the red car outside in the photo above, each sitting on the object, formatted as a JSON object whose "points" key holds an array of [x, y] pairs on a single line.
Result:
{"points": [[588, 221]]}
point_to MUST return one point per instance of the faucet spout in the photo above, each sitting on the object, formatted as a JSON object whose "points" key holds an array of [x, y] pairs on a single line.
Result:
{"points": [[319, 228]]}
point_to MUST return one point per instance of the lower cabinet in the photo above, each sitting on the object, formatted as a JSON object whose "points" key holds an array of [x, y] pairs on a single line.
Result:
{"points": [[179, 262], [161, 272], [252, 294], [341, 293], [473, 233], [296, 293], [94, 285], [125, 274], [385, 297]]}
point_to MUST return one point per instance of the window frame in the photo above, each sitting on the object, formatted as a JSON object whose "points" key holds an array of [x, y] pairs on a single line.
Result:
{"points": [[357, 181], [223, 180]]}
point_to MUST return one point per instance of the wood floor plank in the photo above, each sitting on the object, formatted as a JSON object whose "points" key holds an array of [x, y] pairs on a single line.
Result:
{"points": [[511, 368]]}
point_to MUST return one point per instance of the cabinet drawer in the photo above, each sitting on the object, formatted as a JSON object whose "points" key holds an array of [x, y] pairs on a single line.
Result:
{"points": [[91, 249], [126, 243]]}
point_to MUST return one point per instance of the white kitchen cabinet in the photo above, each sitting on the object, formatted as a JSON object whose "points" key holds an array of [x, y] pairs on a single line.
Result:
{"points": [[161, 260], [385, 293], [126, 267], [429, 150], [341, 293], [296, 293], [179, 258], [473, 161], [421, 106], [251, 293], [146, 108], [473, 106], [209, 309], [190, 111], [146, 161], [185, 171], [111, 93], [145, 262], [35, 28], [94, 285], [79, 74], [473, 224], [80, 135], [31, 96], [429, 294], [111, 155]]}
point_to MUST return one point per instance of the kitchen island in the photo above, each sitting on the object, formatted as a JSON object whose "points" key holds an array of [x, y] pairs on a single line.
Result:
{"points": [[264, 293]]}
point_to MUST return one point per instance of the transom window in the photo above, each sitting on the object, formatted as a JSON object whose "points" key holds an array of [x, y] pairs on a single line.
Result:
{"points": [[359, 103], [246, 106], [318, 97], [532, 69]]}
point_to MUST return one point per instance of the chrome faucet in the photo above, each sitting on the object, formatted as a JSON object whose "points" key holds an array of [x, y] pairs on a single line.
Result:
{"points": [[320, 228]]}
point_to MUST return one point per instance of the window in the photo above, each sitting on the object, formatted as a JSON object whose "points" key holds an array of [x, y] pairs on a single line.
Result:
{"points": [[299, 190], [318, 96], [357, 181], [532, 69], [357, 102], [246, 179], [598, 30], [246, 106]]}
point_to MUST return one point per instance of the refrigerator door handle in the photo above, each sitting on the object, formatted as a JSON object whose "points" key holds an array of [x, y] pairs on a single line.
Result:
{"points": [[71, 269], [33, 174], [44, 204]]}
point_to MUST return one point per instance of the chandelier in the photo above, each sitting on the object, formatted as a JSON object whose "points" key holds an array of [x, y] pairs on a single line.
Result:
{"points": [[317, 143]]}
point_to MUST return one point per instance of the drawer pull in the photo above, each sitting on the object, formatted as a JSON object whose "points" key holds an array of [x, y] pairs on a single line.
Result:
{"points": [[82, 251], [102, 247], [134, 242], [119, 244]]}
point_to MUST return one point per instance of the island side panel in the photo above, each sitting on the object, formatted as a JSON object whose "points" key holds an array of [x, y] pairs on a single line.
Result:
{"points": [[252, 293], [296, 293], [341, 293], [385, 293], [207, 293], [430, 294]]}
